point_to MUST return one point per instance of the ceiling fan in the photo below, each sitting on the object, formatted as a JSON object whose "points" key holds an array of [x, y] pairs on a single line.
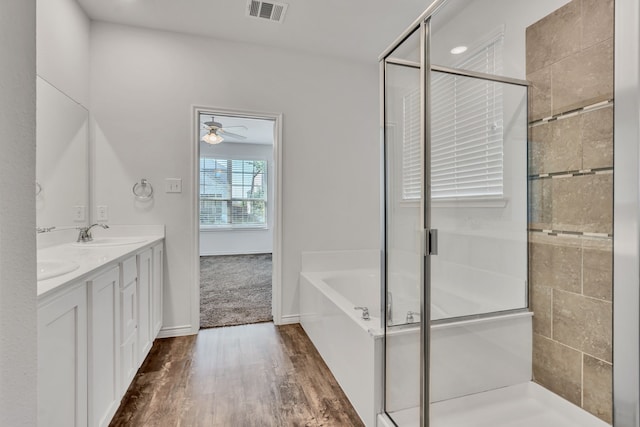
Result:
{"points": [[217, 131]]}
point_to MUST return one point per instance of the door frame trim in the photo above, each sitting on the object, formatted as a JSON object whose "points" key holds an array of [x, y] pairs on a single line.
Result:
{"points": [[276, 198]]}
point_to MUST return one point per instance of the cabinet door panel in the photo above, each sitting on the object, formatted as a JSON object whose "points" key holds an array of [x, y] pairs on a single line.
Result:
{"points": [[129, 307], [104, 347], [62, 360], [129, 331]]}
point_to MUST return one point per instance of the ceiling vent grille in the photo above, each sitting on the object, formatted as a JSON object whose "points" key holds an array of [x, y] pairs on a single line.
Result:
{"points": [[268, 10]]}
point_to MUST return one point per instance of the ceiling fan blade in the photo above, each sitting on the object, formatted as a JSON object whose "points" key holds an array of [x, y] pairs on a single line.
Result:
{"points": [[233, 135], [237, 126]]}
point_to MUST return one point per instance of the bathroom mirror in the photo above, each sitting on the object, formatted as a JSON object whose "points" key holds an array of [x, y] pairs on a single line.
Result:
{"points": [[62, 159]]}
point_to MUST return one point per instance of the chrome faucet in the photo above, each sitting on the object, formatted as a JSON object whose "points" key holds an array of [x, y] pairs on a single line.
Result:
{"points": [[389, 308], [85, 232], [365, 312]]}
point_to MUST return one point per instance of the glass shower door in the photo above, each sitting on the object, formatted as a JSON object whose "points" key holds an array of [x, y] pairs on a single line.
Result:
{"points": [[480, 337]]}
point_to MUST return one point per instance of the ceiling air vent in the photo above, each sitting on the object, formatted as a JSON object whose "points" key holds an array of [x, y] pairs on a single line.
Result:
{"points": [[271, 11]]}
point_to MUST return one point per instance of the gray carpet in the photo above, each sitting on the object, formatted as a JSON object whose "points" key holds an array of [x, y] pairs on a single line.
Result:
{"points": [[235, 290]]}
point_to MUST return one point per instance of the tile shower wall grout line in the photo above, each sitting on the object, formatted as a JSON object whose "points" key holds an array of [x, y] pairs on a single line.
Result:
{"points": [[589, 297], [582, 352]]}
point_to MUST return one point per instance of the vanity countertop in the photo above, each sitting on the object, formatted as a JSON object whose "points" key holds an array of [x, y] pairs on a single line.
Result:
{"points": [[91, 259]]}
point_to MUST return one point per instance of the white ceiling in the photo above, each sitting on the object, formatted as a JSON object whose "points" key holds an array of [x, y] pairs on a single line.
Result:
{"points": [[357, 29]]}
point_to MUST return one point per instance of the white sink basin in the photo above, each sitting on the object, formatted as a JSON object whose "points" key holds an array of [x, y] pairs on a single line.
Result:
{"points": [[110, 241], [48, 269]]}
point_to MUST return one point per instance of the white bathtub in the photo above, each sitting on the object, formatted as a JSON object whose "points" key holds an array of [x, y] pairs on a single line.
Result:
{"points": [[467, 357]]}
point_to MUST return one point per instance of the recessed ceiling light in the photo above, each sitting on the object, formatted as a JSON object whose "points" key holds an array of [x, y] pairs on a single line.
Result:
{"points": [[458, 50]]}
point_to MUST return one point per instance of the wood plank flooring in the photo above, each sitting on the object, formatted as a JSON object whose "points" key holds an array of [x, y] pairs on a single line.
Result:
{"points": [[239, 376]]}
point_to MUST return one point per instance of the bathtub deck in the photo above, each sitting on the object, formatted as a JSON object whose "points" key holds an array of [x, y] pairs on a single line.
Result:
{"points": [[523, 405]]}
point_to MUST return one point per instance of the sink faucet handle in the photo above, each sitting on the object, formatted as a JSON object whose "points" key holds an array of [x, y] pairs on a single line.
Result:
{"points": [[85, 232], [365, 312]]}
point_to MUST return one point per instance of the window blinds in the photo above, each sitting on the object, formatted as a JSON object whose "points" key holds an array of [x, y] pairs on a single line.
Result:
{"points": [[233, 192], [411, 153], [466, 132]]}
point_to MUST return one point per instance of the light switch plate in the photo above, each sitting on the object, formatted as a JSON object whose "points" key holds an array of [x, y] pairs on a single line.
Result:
{"points": [[173, 185]]}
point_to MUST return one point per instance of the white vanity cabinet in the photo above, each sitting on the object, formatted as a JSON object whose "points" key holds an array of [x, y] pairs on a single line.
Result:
{"points": [[62, 358], [157, 288], [128, 321], [104, 346], [145, 275], [94, 332]]}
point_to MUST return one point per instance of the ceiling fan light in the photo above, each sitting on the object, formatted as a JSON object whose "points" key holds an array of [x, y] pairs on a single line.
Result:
{"points": [[212, 138]]}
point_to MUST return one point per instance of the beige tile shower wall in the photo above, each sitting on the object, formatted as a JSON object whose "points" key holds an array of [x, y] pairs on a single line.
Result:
{"points": [[570, 67]]}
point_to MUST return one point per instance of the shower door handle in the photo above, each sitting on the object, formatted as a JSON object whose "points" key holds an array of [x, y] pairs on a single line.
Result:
{"points": [[431, 241]]}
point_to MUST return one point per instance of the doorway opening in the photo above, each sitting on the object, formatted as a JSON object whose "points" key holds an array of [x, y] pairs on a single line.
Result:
{"points": [[237, 216]]}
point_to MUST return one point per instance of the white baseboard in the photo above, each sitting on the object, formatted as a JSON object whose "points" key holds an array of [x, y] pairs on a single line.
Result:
{"points": [[176, 331], [289, 319]]}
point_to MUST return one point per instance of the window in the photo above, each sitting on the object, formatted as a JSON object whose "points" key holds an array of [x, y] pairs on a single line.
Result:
{"points": [[233, 193], [466, 132]]}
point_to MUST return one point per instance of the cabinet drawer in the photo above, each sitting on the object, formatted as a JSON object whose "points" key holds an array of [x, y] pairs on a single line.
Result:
{"points": [[129, 271]]}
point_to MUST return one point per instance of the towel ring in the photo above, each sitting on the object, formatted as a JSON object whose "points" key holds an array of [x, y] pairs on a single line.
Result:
{"points": [[142, 190], [38, 188]]}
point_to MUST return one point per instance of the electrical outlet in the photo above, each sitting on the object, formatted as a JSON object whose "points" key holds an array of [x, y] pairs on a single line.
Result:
{"points": [[102, 213], [173, 185], [79, 213]]}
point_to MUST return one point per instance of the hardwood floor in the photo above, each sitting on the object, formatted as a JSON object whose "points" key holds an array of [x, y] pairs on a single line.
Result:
{"points": [[239, 376]]}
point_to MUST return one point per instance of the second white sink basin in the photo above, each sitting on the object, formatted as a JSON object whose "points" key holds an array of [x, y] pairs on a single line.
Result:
{"points": [[110, 241], [48, 269]]}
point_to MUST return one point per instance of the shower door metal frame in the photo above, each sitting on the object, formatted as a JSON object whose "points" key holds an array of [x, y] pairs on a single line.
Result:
{"points": [[425, 330], [422, 24]]}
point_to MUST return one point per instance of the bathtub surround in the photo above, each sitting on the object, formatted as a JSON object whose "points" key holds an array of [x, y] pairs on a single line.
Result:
{"points": [[570, 66], [235, 290]]}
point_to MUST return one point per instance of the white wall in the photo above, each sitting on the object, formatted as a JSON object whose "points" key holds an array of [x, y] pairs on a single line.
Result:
{"points": [[143, 85], [238, 241], [63, 47], [17, 214]]}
